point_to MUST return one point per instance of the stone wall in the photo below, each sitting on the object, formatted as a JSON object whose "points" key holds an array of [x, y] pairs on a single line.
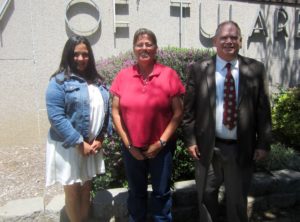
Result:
{"points": [[278, 189]]}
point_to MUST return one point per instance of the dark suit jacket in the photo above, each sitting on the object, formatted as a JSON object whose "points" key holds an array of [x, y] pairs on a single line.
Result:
{"points": [[254, 116]]}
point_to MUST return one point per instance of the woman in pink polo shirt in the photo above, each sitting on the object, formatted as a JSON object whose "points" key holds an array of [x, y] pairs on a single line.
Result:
{"points": [[147, 108]]}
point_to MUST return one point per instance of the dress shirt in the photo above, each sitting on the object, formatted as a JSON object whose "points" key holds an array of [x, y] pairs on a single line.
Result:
{"points": [[221, 130]]}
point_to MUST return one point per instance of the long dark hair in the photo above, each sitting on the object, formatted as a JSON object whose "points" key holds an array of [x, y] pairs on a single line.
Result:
{"points": [[67, 63]]}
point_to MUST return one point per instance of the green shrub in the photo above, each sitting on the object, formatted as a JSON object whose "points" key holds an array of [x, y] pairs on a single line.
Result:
{"points": [[183, 166], [111, 66], [280, 157], [177, 58], [286, 117], [115, 175], [180, 59]]}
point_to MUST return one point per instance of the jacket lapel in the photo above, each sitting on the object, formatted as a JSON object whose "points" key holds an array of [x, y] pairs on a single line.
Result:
{"points": [[211, 82], [242, 79]]}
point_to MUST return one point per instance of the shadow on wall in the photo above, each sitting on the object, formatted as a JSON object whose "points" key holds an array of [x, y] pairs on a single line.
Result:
{"points": [[278, 44]]}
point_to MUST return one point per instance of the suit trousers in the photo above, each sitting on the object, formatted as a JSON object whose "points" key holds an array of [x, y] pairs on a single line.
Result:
{"points": [[224, 170]]}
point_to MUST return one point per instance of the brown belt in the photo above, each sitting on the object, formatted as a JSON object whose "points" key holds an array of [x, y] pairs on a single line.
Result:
{"points": [[226, 141]]}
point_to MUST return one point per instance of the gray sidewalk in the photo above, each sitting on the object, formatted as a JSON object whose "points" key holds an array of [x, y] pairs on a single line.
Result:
{"points": [[32, 210]]}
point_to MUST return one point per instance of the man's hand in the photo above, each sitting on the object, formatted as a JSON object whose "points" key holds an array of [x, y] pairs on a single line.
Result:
{"points": [[260, 154], [194, 152]]}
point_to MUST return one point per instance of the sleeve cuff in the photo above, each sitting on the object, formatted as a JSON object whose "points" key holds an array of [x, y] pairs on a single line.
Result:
{"points": [[80, 140]]}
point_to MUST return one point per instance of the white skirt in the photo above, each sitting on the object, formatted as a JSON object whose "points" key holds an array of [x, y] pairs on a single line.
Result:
{"points": [[69, 166]]}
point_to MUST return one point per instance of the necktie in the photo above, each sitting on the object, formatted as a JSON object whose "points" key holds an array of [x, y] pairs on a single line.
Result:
{"points": [[229, 107]]}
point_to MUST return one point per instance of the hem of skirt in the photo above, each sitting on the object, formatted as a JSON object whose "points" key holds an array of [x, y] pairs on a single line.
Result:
{"points": [[64, 183]]}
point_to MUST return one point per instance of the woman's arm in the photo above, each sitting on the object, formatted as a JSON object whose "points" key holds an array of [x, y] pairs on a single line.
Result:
{"points": [[117, 120], [177, 107], [55, 103]]}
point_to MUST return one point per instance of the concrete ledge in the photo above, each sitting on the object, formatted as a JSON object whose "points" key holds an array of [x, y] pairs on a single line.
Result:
{"points": [[22, 207], [279, 189]]}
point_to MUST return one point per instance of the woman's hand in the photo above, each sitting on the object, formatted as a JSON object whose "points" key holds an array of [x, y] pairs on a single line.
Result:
{"points": [[152, 150], [136, 153], [86, 149], [96, 146]]}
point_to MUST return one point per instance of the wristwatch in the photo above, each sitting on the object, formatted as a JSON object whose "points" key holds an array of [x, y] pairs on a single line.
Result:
{"points": [[129, 147], [162, 143]]}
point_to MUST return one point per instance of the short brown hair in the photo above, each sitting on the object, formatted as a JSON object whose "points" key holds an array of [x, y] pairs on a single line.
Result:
{"points": [[144, 31], [220, 26]]}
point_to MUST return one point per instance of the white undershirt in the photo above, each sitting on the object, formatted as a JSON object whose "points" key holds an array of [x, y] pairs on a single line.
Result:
{"points": [[96, 111]]}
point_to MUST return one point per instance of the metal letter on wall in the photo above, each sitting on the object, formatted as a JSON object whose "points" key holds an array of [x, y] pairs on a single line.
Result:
{"points": [[202, 31], [259, 25], [75, 8], [297, 24], [4, 5], [280, 22]]}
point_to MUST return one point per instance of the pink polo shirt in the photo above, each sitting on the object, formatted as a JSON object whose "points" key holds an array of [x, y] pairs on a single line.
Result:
{"points": [[146, 105]]}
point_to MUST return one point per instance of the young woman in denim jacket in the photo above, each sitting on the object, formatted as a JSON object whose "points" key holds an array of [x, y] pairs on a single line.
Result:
{"points": [[78, 111]]}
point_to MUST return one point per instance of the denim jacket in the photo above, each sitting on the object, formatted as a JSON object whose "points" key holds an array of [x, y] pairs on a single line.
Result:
{"points": [[67, 102]]}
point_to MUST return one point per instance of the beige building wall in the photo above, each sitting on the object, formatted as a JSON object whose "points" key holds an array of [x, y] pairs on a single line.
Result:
{"points": [[33, 33]]}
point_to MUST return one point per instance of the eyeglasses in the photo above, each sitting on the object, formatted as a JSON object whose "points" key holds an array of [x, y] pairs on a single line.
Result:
{"points": [[141, 45]]}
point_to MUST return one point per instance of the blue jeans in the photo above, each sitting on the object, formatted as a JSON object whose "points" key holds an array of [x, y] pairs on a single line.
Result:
{"points": [[160, 170]]}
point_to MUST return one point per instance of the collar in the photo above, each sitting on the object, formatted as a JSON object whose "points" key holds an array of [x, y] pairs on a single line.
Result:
{"points": [[156, 70], [221, 63], [96, 81]]}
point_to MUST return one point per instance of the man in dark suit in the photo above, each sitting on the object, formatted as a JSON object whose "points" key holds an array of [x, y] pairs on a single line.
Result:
{"points": [[226, 127]]}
